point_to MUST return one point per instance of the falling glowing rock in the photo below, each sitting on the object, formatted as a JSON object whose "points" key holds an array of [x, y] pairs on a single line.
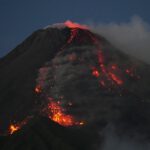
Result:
{"points": [[81, 123], [95, 73], [13, 128], [38, 89], [116, 79], [17, 126]]}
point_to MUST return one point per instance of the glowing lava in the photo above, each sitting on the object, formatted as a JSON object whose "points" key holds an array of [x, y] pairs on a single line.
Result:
{"points": [[107, 74], [74, 33], [96, 73], [72, 25], [37, 89], [115, 78], [57, 114], [13, 128]]}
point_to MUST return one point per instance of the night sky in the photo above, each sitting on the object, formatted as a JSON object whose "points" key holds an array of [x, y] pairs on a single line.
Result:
{"points": [[19, 18]]}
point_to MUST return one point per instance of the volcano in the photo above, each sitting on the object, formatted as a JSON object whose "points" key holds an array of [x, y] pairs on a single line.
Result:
{"points": [[66, 84]]}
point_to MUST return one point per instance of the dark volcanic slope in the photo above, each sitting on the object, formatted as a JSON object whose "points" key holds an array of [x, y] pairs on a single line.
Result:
{"points": [[19, 70], [42, 134], [105, 86]]}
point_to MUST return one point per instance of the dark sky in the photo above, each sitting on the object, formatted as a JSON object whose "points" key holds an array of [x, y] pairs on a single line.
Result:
{"points": [[19, 18]]}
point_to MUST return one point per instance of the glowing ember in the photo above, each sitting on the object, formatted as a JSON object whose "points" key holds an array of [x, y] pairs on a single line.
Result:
{"points": [[115, 78], [95, 73], [57, 114], [114, 67], [17, 126], [128, 71], [13, 128], [71, 24], [38, 89], [81, 123]]}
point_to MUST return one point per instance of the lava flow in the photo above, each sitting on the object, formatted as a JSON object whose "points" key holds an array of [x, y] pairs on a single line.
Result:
{"points": [[108, 77], [107, 73], [57, 114], [14, 127]]}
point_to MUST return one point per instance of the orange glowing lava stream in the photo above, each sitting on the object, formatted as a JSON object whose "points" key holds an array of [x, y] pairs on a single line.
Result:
{"points": [[14, 127], [116, 79], [57, 114], [74, 32], [106, 72]]}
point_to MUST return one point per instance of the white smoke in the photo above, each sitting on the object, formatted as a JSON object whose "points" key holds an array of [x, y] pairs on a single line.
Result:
{"points": [[132, 37], [115, 142]]}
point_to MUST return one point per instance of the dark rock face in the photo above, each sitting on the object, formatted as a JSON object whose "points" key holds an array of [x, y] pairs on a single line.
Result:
{"points": [[112, 89], [43, 134], [19, 72]]}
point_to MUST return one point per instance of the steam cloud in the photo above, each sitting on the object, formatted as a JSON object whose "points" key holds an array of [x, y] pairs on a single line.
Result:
{"points": [[115, 142], [132, 37]]}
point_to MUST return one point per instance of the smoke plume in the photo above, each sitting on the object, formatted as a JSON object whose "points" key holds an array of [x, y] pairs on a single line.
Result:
{"points": [[116, 142], [132, 37]]}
